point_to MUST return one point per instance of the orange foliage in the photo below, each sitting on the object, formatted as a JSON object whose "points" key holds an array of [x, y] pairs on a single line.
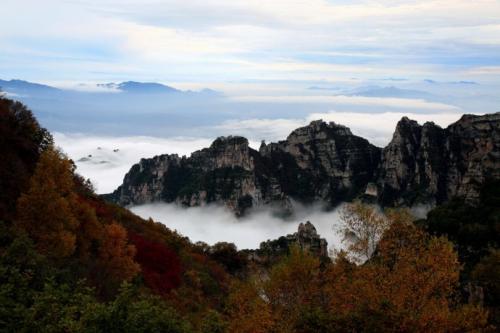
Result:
{"points": [[116, 256], [408, 286], [248, 311], [45, 211]]}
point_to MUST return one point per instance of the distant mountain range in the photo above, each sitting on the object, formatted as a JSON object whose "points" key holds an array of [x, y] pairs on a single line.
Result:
{"points": [[21, 87], [391, 91], [148, 108]]}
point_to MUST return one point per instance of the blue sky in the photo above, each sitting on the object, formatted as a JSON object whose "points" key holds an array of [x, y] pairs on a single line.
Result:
{"points": [[216, 43]]}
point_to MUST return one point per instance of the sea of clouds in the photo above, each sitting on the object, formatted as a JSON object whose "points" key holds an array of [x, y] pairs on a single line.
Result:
{"points": [[212, 223], [106, 159]]}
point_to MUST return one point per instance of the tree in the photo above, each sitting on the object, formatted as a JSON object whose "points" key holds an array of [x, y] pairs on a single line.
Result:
{"points": [[160, 266], [21, 142], [135, 313], [227, 254], [22, 273], [248, 311], [362, 227], [90, 233], [59, 308], [487, 275], [44, 212], [115, 262], [409, 284], [293, 286]]}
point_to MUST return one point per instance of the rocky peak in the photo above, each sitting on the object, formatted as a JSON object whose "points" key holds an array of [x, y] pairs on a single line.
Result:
{"points": [[318, 129], [306, 238], [429, 164], [223, 142], [407, 131], [226, 152]]}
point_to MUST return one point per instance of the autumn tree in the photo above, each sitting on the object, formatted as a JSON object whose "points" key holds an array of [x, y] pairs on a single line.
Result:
{"points": [[160, 266], [115, 261], [409, 285], [89, 234], [44, 212], [293, 286], [22, 140], [362, 227], [248, 311], [277, 301]]}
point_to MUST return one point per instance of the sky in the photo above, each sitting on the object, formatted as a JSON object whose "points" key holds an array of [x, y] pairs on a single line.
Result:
{"points": [[250, 45]]}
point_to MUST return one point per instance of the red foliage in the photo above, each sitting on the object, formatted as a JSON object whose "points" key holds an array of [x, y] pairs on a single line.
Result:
{"points": [[102, 209], [161, 267]]}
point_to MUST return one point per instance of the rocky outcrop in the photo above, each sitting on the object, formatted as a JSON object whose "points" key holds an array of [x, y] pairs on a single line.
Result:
{"points": [[326, 162], [317, 162], [224, 173], [306, 238], [322, 161], [429, 164]]}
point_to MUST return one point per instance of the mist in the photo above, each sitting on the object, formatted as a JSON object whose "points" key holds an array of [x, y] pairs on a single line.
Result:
{"points": [[106, 160], [212, 224]]}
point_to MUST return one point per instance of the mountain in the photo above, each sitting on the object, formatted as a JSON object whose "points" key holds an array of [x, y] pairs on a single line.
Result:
{"points": [[20, 87], [376, 91], [122, 108], [140, 87], [326, 162], [317, 162], [432, 165]]}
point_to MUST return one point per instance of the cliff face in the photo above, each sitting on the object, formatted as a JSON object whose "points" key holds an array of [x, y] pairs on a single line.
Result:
{"points": [[224, 172], [429, 164], [317, 162], [322, 161], [325, 161]]}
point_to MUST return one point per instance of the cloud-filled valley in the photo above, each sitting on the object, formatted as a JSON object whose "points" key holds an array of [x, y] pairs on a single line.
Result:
{"points": [[213, 224]]}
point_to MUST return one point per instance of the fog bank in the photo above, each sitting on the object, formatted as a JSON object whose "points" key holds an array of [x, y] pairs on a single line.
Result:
{"points": [[212, 224]]}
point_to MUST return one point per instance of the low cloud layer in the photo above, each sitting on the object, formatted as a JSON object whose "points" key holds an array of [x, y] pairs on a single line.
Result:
{"points": [[213, 224], [106, 160]]}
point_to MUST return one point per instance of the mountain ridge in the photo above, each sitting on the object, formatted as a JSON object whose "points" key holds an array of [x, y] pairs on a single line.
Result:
{"points": [[423, 164]]}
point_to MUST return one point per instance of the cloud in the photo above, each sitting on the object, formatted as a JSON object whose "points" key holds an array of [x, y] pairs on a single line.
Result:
{"points": [[213, 224], [376, 127], [393, 102], [112, 157], [260, 129], [485, 70], [224, 40]]}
